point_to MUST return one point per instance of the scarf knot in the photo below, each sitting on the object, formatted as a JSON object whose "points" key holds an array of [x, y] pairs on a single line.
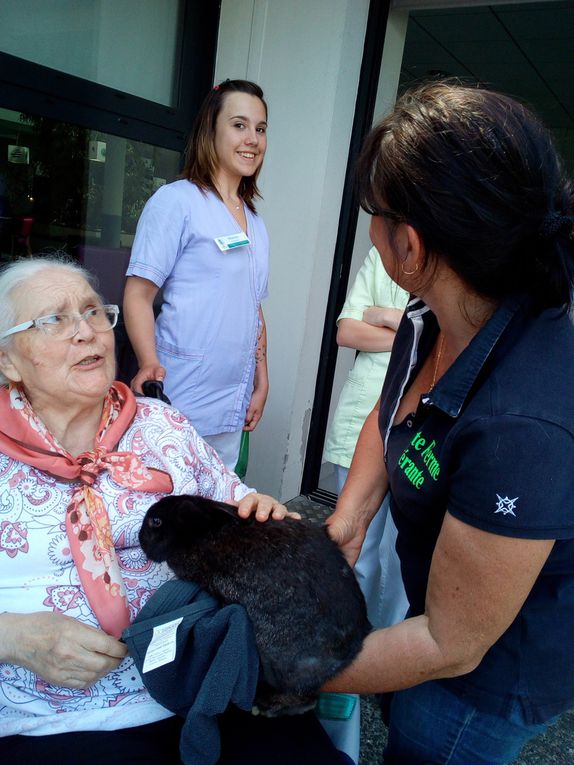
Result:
{"points": [[91, 464]]}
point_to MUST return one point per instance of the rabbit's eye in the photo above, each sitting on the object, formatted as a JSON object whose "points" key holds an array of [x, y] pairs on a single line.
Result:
{"points": [[154, 522]]}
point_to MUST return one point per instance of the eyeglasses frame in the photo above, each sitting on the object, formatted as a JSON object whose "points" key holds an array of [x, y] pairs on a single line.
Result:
{"points": [[80, 316]]}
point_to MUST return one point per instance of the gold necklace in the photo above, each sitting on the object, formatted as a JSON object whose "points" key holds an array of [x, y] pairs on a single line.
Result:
{"points": [[231, 203], [437, 362]]}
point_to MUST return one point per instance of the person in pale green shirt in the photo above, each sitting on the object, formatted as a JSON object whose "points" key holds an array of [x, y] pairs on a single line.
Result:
{"points": [[367, 323]]}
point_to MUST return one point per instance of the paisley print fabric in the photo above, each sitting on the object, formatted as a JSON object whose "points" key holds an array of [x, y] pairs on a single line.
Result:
{"points": [[24, 436], [38, 572]]}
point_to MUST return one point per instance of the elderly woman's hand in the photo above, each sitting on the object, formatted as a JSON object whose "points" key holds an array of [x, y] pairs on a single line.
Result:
{"points": [[264, 507], [61, 650]]}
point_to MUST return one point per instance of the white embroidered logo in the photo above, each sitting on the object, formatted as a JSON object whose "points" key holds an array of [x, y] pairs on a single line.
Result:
{"points": [[505, 505]]}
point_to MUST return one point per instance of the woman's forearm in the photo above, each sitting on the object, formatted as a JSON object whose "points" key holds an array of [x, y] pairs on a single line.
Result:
{"points": [[361, 336], [139, 319], [478, 582], [363, 492], [399, 657], [261, 379], [367, 481]]}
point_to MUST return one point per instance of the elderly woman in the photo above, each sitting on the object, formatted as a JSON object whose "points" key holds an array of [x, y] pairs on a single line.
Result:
{"points": [[474, 435], [81, 460]]}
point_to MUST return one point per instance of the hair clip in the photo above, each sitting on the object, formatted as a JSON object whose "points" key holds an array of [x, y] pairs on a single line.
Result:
{"points": [[552, 224]]}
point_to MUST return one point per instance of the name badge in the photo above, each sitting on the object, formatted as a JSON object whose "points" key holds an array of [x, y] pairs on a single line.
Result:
{"points": [[232, 241]]}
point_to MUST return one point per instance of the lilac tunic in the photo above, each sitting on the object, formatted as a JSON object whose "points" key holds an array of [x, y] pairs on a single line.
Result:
{"points": [[206, 333]]}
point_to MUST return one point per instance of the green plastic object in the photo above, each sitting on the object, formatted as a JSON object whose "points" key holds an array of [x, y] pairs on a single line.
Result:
{"points": [[243, 459], [335, 706]]}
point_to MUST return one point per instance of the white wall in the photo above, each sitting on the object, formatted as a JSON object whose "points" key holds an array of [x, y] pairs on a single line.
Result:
{"points": [[306, 57]]}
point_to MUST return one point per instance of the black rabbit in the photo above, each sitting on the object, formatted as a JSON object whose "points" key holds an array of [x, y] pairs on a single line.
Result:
{"points": [[308, 613]]}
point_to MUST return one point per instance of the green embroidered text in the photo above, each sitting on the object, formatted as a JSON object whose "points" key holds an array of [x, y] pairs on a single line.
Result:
{"points": [[424, 452]]}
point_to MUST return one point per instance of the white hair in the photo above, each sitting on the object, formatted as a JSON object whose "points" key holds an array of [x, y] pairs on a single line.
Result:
{"points": [[16, 274]]}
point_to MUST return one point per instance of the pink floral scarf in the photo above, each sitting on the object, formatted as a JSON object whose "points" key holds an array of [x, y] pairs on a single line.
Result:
{"points": [[23, 436]]}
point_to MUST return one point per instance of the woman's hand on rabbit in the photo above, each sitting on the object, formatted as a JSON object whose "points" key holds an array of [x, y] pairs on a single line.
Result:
{"points": [[264, 507], [348, 533]]}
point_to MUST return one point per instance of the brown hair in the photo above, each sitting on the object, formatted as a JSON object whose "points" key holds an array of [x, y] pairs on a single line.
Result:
{"points": [[476, 174], [200, 157]]}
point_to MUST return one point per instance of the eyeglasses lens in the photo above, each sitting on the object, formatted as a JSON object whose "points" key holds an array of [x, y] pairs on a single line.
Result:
{"points": [[66, 325]]}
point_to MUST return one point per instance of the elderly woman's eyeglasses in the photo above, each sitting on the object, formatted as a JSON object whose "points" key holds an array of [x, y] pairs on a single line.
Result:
{"points": [[65, 325]]}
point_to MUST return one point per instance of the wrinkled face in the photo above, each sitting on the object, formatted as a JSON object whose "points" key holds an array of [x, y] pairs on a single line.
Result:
{"points": [[240, 135], [59, 373]]}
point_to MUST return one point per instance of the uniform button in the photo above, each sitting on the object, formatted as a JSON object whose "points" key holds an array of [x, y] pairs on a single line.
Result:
{"points": [[409, 423]]}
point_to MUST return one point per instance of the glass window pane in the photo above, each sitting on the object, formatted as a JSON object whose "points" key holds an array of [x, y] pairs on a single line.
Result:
{"points": [[129, 45], [78, 190], [65, 188]]}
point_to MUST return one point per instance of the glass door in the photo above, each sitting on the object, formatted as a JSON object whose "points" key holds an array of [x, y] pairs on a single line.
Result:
{"points": [[524, 49]]}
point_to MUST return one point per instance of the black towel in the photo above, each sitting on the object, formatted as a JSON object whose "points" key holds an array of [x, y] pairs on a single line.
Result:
{"points": [[216, 663]]}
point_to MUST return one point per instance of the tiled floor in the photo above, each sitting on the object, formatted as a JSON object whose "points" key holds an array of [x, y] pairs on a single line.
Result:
{"points": [[556, 747]]}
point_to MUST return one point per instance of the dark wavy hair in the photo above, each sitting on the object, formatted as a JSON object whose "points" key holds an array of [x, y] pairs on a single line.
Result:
{"points": [[477, 175], [200, 157]]}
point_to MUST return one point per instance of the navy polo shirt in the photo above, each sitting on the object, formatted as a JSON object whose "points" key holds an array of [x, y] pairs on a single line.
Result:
{"points": [[493, 443]]}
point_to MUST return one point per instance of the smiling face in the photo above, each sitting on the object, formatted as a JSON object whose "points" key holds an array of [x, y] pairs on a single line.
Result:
{"points": [[59, 374], [240, 137]]}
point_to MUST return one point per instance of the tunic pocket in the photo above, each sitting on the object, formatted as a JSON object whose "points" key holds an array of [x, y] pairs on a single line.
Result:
{"points": [[184, 372]]}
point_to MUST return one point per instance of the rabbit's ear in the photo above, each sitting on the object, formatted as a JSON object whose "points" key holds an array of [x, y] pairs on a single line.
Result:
{"points": [[200, 515], [223, 510]]}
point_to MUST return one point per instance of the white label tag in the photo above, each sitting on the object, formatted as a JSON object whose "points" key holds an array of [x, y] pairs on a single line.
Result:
{"points": [[232, 241], [162, 647]]}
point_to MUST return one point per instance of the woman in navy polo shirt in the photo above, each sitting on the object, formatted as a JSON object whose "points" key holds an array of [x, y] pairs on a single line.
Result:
{"points": [[472, 215]]}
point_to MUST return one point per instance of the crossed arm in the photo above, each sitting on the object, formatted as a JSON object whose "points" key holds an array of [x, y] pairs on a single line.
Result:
{"points": [[375, 332]]}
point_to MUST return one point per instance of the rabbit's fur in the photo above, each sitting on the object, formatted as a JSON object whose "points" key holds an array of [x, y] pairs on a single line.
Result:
{"points": [[307, 610]]}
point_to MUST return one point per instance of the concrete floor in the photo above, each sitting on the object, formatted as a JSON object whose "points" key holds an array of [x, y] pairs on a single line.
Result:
{"points": [[556, 747]]}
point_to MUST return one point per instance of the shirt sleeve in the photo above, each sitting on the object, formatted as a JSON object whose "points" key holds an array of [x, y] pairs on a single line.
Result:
{"points": [[158, 239], [214, 480], [360, 295], [167, 440], [512, 475]]}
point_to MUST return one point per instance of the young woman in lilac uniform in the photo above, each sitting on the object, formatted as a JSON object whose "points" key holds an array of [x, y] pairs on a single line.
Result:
{"points": [[202, 243]]}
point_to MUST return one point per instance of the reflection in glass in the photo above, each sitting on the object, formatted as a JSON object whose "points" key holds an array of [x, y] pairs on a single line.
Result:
{"points": [[107, 42], [78, 187]]}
